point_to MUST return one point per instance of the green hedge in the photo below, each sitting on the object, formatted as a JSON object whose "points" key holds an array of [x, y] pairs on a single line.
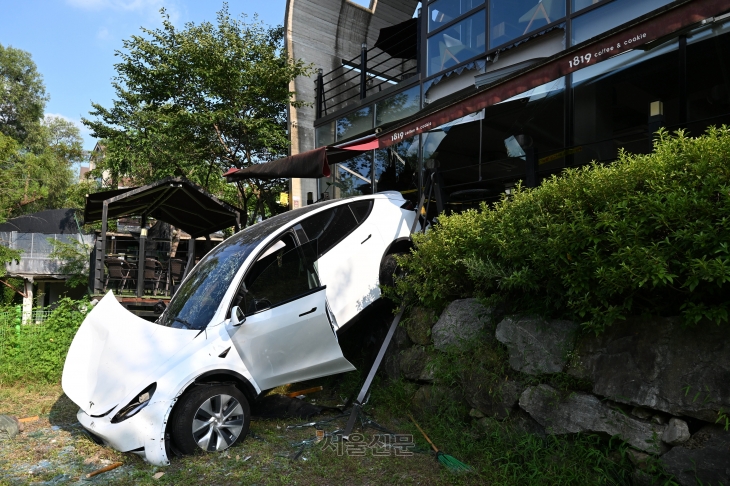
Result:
{"points": [[37, 352], [645, 234]]}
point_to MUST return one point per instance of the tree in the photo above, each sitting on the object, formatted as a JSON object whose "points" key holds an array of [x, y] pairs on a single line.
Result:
{"points": [[198, 101], [22, 94], [37, 174]]}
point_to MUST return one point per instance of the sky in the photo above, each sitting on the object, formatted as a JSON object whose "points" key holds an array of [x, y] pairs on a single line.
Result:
{"points": [[73, 41]]}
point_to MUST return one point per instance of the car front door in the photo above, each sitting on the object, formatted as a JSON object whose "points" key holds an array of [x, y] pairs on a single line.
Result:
{"points": [[287, 335]]}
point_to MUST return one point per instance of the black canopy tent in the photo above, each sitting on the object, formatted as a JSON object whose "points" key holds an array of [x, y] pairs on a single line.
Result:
{"points": [[173, 200]]}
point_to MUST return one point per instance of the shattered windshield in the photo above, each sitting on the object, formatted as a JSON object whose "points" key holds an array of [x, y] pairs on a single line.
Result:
{"points": [[198, 298]]}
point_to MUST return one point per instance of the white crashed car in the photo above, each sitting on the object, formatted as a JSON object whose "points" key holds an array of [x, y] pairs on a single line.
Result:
{"points": [[262, 309]]}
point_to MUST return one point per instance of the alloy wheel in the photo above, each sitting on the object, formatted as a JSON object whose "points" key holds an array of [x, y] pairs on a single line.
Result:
{"points": [[217, 423]]}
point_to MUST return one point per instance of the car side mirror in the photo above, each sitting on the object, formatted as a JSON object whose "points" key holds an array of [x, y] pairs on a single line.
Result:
{"points": [[237, 316]]}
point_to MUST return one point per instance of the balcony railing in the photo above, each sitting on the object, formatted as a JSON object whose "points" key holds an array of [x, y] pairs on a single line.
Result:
{"points": [[369, 73]]}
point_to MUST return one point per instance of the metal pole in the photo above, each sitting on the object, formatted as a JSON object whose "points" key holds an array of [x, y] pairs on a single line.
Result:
{"points": [[191, 257], [101, 249], [319, 92], [363, 70], [141, 256]]}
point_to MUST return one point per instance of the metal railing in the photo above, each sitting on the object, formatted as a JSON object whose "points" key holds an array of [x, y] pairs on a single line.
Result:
{"points": [[365, 74]]}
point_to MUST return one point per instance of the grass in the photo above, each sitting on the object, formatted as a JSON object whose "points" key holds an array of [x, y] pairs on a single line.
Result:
{"points": [[54, 450]]}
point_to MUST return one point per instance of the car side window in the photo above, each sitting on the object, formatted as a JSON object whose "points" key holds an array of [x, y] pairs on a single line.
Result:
{"points": [[333, 225], [289, 274], [361, 210]]}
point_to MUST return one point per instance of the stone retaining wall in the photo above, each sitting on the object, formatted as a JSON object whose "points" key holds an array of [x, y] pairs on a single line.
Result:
{"points": [[659, 386]]}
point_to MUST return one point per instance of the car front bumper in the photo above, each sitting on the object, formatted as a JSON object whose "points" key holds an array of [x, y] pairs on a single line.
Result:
{"points": [[142, 434]]}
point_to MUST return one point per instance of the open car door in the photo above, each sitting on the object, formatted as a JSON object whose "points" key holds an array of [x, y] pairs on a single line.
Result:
{"points": [[288, 335]]}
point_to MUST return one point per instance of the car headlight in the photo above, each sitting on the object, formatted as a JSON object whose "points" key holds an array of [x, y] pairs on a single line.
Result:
{"points": [[133, 407]]}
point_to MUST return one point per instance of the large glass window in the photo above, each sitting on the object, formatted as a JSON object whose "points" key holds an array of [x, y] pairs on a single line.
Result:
{"points": [[352, 178], [441, 12], [458, 43], [325, 134], [576, 5], [611, 15], [355, 123], [514, 18], [708, 78], [396, 168], [398, 106], [612, 99]]}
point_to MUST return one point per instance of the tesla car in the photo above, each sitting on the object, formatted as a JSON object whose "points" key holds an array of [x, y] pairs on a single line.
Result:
{"points": [[262, 309]]}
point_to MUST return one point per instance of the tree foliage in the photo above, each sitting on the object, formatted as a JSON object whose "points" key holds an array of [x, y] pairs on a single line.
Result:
{"points": [[22, 93], [36, 153], [646, 234], [198, 101], [37, 174]]}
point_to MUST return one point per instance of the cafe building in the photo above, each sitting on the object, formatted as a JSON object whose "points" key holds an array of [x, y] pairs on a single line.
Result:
{"points": [[487, 94]]}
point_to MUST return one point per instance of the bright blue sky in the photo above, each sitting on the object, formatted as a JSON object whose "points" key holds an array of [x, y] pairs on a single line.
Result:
{"points": [[73, 41]]}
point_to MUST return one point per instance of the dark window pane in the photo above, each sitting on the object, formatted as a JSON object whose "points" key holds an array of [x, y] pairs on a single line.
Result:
{"points": [[325, 134], [444, 11], [352, 178], [576, 5], [398, 106], [329, 227], [612, 99], [288, 275], [512, 19], [355, 123], [708, 79], [611, 15], [361, 210], [456, 44], [398, 173]]}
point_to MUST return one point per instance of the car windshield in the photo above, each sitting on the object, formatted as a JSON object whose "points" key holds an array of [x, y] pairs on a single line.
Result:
{"points": [[198, 298]]}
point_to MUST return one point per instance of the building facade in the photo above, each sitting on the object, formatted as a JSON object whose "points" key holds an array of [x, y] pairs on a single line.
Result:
{"points": [[496, 92]]}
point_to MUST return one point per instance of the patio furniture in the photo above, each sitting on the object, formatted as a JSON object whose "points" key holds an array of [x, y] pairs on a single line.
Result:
{"points": [[118, 271], [176, 271], [153, 273]]}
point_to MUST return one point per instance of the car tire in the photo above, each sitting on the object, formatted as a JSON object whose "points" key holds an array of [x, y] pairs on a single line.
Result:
{"points": [[388, 267], [210, 418]]}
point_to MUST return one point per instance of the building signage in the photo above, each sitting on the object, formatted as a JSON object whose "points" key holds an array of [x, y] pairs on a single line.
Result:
{"points": [[661, 25]]}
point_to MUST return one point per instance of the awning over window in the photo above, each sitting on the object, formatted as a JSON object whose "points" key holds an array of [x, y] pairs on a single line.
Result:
{"points": [[307, 165]]}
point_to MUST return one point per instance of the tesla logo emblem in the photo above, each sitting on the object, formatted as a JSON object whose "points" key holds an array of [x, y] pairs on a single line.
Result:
{"points": [[91, 404]]}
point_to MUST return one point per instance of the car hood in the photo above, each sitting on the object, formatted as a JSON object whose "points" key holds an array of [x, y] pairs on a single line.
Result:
{"points": [[112, 354]]}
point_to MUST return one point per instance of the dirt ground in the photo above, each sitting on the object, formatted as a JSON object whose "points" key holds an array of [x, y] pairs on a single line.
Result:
{"points": [[53, 450]]}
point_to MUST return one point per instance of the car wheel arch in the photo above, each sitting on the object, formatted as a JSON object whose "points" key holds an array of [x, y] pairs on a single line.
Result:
{"points": [[222, 376]]}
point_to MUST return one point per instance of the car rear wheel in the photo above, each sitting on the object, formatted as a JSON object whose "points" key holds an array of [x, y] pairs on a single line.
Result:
{"points": [[389, 267], [211, 418]]}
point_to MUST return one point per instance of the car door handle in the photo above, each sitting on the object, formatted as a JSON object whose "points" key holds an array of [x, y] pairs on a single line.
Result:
{"points": [[308, 312], [366, 239]]}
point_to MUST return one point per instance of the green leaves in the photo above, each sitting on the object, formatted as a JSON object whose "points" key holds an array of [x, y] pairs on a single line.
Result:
{"points": [[196, 101], [646, 234]]}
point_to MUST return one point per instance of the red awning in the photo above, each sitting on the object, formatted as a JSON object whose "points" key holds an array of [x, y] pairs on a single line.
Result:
{"points": [[307, 165]]}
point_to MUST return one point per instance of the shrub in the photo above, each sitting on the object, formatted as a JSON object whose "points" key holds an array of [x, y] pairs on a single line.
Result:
{"points": [[37, 352], [645, 234]]}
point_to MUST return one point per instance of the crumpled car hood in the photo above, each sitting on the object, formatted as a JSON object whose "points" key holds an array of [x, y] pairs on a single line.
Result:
{"points": [[112, 354]]}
